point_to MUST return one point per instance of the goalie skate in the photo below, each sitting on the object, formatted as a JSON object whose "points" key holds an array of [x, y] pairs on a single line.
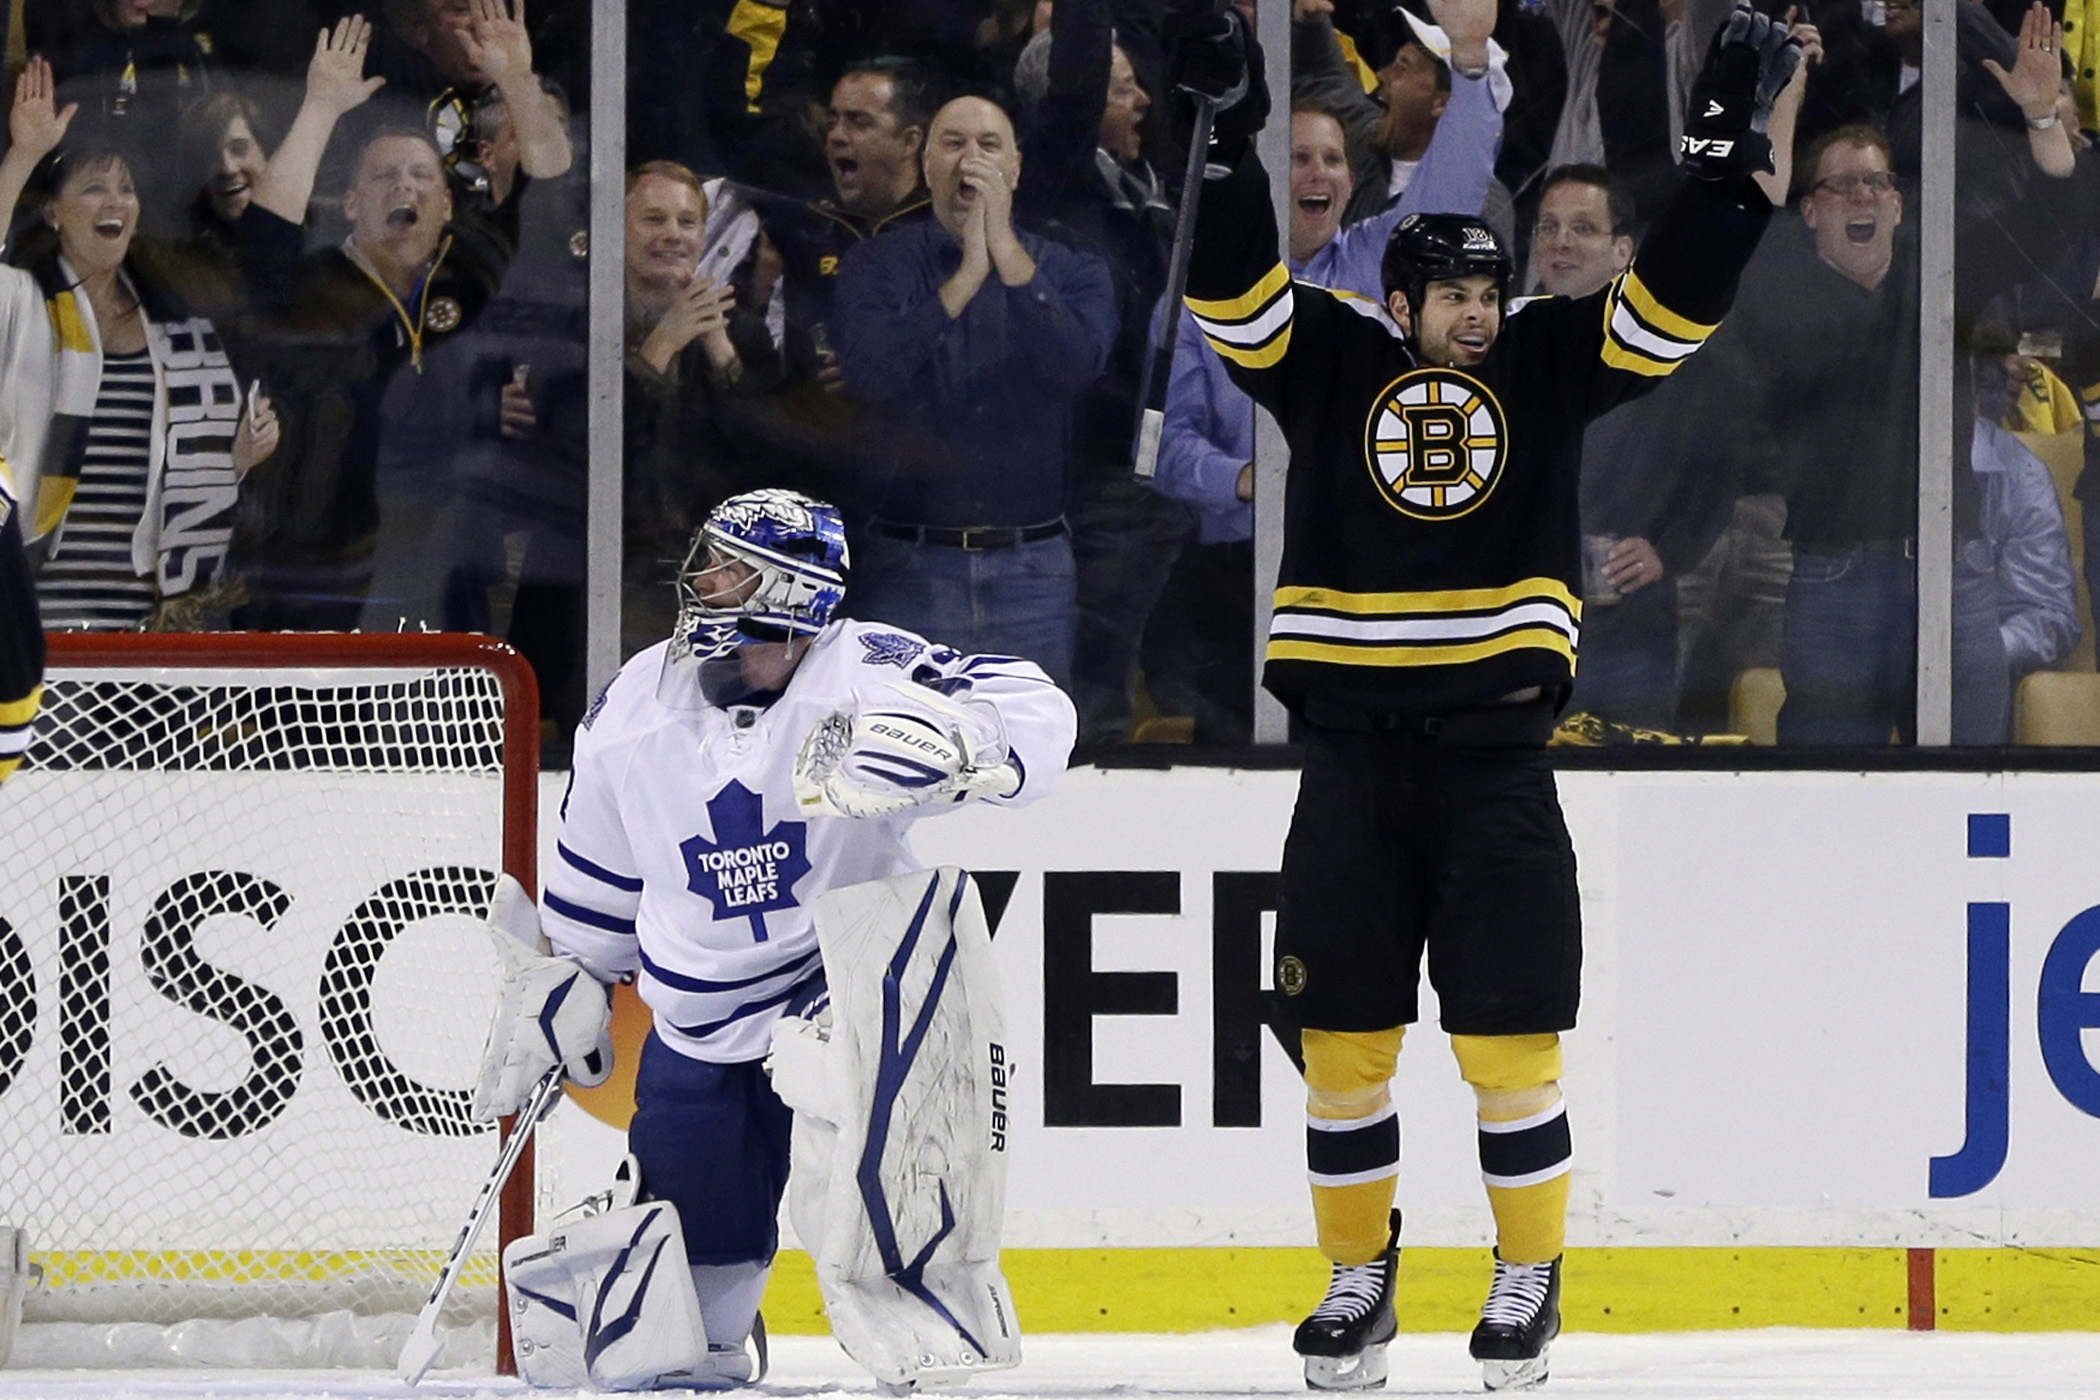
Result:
{"points": [[1517, 1324], [1344, 1340]]}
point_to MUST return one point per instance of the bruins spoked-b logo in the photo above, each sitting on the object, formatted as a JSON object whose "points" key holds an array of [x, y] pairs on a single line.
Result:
{"points": [[1436, 443]]}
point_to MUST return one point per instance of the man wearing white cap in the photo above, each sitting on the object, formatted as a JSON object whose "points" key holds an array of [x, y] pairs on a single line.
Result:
{"points": [[1394, 126]]}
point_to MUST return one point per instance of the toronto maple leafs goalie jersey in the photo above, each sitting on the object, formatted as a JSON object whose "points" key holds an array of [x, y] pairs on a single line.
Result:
{"points": [[682, 857]]}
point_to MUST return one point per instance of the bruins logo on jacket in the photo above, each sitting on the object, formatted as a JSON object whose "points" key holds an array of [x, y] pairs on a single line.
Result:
{"points": [[1436, 443]]}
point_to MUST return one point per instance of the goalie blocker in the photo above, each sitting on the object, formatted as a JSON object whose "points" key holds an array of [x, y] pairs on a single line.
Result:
{"points": [[898, 1186]]}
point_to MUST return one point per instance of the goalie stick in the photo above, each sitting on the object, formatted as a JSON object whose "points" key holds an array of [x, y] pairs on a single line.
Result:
{"points": [[421, 1348]]}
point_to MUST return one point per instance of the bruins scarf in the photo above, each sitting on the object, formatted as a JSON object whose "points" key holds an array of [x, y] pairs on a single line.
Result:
{"points": [[191, 492]]}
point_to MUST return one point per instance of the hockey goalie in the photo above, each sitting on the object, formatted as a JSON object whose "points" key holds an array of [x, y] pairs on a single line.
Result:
{"points": [[734, 841]]}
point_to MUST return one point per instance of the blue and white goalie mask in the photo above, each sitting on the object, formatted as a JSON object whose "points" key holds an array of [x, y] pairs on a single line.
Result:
{"points": [[765, 568]]}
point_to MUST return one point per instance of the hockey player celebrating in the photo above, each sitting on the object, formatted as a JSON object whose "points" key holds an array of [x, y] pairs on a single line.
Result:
{"points": [[764, 757], [1425, 626]]}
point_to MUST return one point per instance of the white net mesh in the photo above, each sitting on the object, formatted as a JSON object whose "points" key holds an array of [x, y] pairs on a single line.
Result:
{"points": [[243, 988]]}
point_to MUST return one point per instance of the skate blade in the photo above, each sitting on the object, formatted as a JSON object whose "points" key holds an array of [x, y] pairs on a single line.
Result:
{"points": [[1363, 1371], [1514, 1375]]}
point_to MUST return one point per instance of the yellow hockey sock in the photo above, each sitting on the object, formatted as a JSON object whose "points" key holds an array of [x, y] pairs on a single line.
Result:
{"points": [[1525, 1150], [1352, 1139]]}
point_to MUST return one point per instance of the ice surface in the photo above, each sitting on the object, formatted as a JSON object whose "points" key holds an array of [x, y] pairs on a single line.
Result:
{"points": [[1742, 1365]]}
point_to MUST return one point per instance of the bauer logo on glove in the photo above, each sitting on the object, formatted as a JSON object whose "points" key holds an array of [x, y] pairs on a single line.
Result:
{"points": [[910, 747]]}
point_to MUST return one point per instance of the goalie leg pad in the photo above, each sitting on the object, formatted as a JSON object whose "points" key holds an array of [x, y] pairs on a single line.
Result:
{"points": [[900, 1190], [606, 1303], [951, 1322]]}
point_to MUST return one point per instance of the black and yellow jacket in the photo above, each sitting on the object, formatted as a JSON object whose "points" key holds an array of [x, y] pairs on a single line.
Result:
{"points": [[21, 637], [1432, 546]]}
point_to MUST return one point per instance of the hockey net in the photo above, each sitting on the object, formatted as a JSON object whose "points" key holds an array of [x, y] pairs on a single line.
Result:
{"points": [[244, 987]]}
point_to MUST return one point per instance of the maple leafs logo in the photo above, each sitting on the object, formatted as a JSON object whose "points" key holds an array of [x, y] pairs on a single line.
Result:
{"points": [[890, 648], [748, 869]]}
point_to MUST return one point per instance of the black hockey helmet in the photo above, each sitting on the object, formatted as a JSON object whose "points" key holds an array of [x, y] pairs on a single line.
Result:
{"points": [[1427, 248]]}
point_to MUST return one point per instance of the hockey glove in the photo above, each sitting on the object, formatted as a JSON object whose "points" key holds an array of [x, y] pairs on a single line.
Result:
{"points": [[1211, 53], [1751, 61], [549, 1011], [911, 747]]}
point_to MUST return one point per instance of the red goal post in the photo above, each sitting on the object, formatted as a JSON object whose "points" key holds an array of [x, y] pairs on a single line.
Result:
{"points": [[244, 984]]}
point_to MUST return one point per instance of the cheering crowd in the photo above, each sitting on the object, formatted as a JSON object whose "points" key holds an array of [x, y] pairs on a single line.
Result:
{"points": [[296, 314]]}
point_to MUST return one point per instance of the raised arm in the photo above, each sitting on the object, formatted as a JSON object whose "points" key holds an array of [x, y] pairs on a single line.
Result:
{"points": [[1786, 111], [498, 44], [1458, 167], [34, 129], [1064, 131], [2034, 82], [1683, 280], [1321, 76], [335, 84]]}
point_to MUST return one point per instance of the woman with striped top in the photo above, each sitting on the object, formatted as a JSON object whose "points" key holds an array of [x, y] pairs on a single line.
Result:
{"points": [[118, 409]]}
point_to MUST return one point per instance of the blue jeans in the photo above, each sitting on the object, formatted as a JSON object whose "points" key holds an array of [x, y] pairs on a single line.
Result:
{"points": [[1626, 670], [2091, 530], [1125, 538], [1848, 656], [1005, 602]]}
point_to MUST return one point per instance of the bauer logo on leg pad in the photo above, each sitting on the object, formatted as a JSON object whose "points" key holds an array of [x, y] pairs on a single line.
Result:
{"points": [[999, 1073]]}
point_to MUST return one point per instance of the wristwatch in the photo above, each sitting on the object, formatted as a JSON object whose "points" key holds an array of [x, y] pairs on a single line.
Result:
{"points": [[2041, 123]]}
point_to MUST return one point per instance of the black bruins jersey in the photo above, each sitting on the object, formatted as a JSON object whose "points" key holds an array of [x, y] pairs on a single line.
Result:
{"points": [[1432, 544]]}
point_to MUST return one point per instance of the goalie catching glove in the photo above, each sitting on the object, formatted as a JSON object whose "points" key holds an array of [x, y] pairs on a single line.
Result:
{"points": [[910, 747], [1751, 61], [549, 1011]]}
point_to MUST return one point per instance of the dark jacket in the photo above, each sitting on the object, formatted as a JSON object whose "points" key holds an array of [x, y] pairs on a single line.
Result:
{"points": [[982, 403], [331, 343]]}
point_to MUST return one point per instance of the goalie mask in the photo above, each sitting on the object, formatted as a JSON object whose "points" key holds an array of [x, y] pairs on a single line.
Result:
{"points": [[765, 569]]}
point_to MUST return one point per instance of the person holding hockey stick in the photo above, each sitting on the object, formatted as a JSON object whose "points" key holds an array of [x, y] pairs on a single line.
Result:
{"points": [[1424, 636], [766, 755]]}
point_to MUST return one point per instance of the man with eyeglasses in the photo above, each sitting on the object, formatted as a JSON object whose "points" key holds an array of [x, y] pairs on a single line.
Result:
{"points": [[1824, 354], [1648, 513]]}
